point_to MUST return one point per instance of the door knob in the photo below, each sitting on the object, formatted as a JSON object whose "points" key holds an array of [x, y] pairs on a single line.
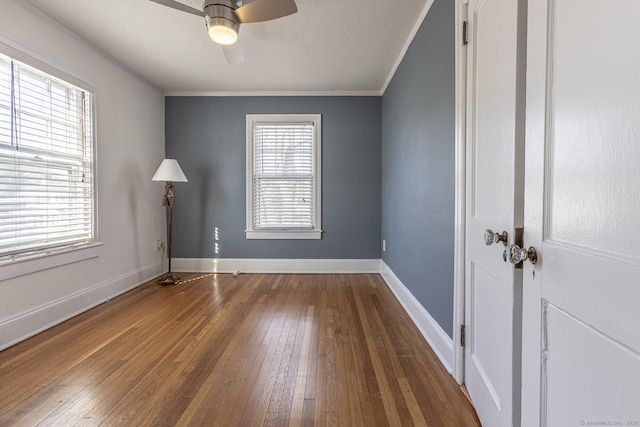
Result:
{"points": [[517, 254], [491, 237]]}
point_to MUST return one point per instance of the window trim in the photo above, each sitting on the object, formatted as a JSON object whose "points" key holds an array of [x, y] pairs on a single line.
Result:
{"points": [[288, 234]]}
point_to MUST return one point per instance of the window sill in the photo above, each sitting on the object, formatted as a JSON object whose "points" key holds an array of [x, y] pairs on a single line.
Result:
{"points": [[284, 234], [31, 264]]}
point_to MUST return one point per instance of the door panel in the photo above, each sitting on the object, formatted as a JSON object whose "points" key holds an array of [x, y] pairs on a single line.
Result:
{"points": [[590, 377], [581, 320], [593, 106], [489, 329], [493, 74]]}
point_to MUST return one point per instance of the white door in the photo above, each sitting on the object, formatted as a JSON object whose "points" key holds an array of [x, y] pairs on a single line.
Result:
{"points": [[494, 187], [581, 324]]}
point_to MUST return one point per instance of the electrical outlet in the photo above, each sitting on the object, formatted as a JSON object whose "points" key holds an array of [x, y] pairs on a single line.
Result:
{"points": [[159, 244], [384, 245]]}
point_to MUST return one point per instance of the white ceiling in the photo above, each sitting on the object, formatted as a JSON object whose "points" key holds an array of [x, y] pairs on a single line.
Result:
{"points": [[329, 46]]}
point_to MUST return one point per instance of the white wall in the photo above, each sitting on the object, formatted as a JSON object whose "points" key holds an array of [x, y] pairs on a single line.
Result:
{"points": [[130, 146]]}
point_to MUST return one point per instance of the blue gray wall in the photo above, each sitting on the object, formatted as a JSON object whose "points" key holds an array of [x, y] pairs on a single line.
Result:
{"points": [[207, 137], [418, 172], [388, 172]]}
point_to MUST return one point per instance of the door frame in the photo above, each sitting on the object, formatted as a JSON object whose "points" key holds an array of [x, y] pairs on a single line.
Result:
{"points": [[460, 189]]}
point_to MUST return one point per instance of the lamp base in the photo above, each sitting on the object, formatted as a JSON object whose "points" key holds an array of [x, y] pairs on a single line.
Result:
{"points": [[169, 279]]}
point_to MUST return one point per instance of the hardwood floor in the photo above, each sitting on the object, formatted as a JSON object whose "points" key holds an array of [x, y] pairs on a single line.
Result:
{"points": [[216, 350]]}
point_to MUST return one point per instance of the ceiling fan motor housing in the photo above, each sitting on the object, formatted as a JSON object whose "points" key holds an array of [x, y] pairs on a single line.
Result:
{"points": [[221, 12]]}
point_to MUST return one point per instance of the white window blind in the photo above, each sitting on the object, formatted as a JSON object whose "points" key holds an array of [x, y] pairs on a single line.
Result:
{"points": [[284, 186], [46, 171]]}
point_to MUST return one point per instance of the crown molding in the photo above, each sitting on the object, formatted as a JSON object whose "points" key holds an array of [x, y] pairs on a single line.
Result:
{"points": [[272, 93]]}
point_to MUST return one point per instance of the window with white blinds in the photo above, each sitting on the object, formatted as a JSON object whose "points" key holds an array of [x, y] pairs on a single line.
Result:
{"points": [[283, 182], [46, 162]]}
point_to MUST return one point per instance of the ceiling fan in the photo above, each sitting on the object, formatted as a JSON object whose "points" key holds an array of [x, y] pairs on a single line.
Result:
{"points": [[223, 19]]}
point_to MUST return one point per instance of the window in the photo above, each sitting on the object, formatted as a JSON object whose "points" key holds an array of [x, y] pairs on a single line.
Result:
{"points": [[46, 162], [283, 176]]}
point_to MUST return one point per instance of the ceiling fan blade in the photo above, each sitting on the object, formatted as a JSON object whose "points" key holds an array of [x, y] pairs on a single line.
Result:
{"points": [[234, 53], [179, 6], [265, 10]]}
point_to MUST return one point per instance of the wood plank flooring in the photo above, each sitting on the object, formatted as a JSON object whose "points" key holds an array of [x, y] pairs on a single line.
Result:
{"points": [[214, 350]]}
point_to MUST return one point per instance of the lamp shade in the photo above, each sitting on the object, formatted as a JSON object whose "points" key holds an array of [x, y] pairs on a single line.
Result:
{"points": [[169, 170]]}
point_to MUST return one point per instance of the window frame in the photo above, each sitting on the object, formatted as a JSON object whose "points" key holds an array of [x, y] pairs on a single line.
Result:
{"points": [[285, 233], [30, 261]]}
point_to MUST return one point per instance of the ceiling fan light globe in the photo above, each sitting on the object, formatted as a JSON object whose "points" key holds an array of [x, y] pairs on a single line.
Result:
{"points": [[223, 35]]}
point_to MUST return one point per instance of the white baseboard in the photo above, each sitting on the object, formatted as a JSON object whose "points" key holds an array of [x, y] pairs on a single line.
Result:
{"points": [[24, 325], [260, 265], [437, 338]]}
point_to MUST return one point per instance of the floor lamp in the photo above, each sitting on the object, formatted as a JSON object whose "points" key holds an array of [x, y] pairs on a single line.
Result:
{"points": [[170, 172]]}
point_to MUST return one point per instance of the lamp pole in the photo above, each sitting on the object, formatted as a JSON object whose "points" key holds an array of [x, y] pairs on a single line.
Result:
{"points": [[169, 198], [170, 172]]}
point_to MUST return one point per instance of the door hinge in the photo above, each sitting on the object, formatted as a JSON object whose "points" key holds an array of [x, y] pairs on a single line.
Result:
{"points": [[465, 39], [462, 336]]}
